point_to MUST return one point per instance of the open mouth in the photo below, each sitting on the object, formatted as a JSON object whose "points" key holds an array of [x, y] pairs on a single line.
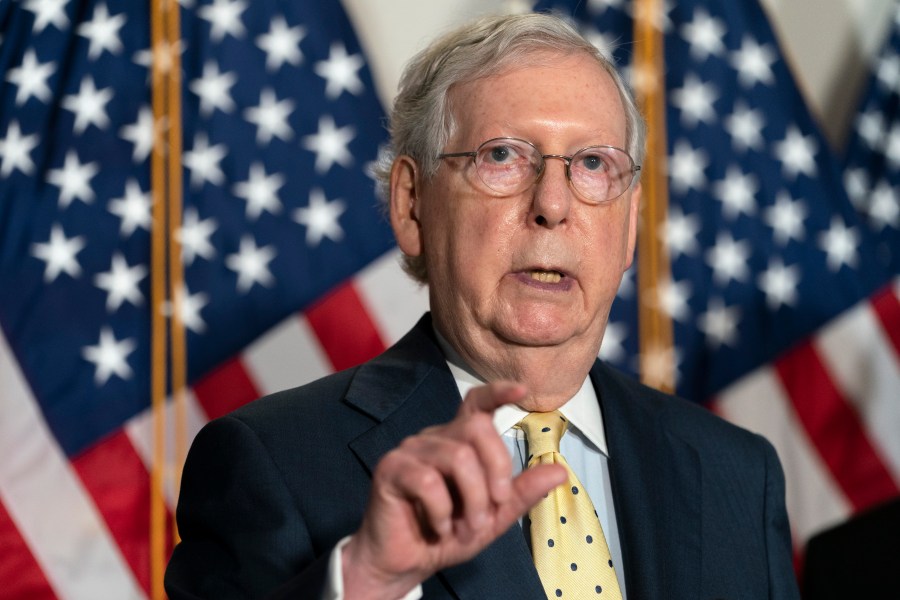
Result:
{"points": [[546, 276]]}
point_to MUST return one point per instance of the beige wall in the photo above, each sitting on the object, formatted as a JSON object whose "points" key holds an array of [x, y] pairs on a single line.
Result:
{"points": [[827, 41]]}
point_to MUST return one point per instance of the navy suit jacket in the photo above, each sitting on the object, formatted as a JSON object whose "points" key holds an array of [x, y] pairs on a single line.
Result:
{"points": [[270, 489]]}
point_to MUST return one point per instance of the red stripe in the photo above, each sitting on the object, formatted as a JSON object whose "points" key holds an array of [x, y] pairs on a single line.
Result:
{"points": [[19, 571], [344, 328], [834, 428], [117, 480], [887, 307], [226, 388]]}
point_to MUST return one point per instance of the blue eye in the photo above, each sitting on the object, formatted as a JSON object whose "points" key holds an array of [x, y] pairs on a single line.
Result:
{"points": [[500, 154], [593, 163]]}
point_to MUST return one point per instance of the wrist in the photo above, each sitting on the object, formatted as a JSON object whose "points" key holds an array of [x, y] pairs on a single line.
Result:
{"points": [[364, 580]]}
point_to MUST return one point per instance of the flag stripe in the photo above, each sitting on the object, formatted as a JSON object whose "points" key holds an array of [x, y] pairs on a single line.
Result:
{"points": [[344, 328], [287, 356], [119, 483], [814, 501], [393, 300], [19, 571], [834, 428], [856, 350], [226, 388], [887, 306], [72, 545]]}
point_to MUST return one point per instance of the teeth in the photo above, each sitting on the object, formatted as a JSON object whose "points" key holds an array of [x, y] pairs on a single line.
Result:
{"points": [[546, 276]]}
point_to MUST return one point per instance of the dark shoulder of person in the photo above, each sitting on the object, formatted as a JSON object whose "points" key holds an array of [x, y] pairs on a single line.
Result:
{"points": [[857, 559]]}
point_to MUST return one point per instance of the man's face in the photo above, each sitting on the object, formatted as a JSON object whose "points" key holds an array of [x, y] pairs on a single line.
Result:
{"points": [[493, 262]]}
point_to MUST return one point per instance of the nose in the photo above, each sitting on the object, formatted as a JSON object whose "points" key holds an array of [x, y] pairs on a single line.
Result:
{"points": [[552, 198]]}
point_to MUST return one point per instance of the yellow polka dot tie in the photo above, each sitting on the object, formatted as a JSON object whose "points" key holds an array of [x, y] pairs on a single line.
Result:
{"points": [[567, 542]]}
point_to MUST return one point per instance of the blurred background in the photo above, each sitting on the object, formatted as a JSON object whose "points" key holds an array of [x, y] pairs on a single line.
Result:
{"points": [[187, 222]]}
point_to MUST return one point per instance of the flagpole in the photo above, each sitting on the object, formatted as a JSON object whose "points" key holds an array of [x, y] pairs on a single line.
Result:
{"points": [[656, 339], [167, 279]]}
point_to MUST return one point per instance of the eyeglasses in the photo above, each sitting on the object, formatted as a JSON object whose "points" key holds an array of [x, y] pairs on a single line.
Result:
{"points": [[508, 166]]}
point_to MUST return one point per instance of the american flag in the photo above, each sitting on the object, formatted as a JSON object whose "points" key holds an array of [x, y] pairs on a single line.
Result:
{"points": [[872, 157], [786, 320], [290, 271]]}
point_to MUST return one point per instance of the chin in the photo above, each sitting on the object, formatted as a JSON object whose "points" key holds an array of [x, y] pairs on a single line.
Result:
{"points": [[531, 331]]}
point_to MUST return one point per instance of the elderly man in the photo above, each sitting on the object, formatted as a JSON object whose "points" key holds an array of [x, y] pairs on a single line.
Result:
{"points": [[513, 194]]}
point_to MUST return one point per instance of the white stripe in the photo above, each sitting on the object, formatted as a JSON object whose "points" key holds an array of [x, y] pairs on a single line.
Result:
{"points": [[393, 300], [863, 364], [48, 503], [139, 430], [759, 403], [288, 355]]}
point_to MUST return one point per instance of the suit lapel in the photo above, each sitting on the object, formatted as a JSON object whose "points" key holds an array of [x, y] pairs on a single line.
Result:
{"points": [[405, 390], [656, 490]]}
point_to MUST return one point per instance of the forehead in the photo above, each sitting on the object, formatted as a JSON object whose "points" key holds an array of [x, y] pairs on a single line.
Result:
{"points": [[547, 98]]}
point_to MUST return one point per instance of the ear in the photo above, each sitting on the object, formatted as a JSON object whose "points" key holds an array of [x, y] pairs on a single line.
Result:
{"points": [[404, 206], [633, 218]]}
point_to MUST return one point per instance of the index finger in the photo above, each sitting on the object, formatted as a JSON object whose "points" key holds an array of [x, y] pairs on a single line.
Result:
{"points": [[490, 397]]}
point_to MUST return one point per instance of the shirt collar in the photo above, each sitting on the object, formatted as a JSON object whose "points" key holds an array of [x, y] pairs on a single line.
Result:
{"points": [[582, 410]]}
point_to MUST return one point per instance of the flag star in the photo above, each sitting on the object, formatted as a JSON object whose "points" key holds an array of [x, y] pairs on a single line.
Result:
{"points": [[613, 347], [737, 193], [657, 364], [330, 144], [870, 127], [745, 126], [786, 218], [189, 307], [754, 63], [728, 259], [856, 181], [687, 166], [281, 44], [719, 323], [133, 209], [321, 218], [888, 72], [672, 297], [270, 117], [251, 263], [109, 356], [213, 88], [163, 55], [839, 242], [797, 153], [59, 254], [892, 147], [681, 233], [121, 283], [15, 151], [194, 234], [704, 34], [599, 6], [73, 180], [141, 134], [695, 100], [203, 162], [103, 32], [884, 207], [260, 191], [224, 17], [31, 78], [48, 12], [89, 105], [340, 72], [779, 284]]}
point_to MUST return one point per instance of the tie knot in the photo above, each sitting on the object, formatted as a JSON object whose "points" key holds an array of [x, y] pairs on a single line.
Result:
{"points": [[543, 431]]}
